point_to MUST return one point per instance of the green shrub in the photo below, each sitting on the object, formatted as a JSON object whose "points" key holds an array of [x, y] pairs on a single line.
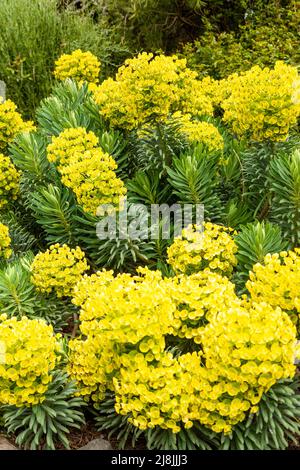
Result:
{"points": [[267, 35], [33, 34]]}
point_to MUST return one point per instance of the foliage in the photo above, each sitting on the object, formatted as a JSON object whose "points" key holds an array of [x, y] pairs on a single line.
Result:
{"points": [[261, 37], [254, 242], [284, 180], [33, 34], [43, 425], [194, 180], [275, 424]]}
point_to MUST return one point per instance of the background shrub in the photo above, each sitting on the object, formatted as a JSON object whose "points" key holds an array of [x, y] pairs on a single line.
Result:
{"points": [[33, 34]]}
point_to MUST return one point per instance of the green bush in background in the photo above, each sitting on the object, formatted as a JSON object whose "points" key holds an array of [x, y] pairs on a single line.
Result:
{"points": [[269, 32], [33, 34]]}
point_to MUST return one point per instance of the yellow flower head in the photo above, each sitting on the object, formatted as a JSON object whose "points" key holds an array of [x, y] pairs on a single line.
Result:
{"points": [[28, 357], [262, 103], [276, 282], [195, 250], [80, 66], [198, 298], [86, 169], [247, 350], [70, 141], [58, 269], [199, 132]]}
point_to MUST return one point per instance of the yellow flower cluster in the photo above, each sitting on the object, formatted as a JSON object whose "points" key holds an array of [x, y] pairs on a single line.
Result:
{"points": [[5, 250], [11, 123], [277, 281], [200, 132], [80, 66], [123, 305], [9, 181], [86, 169], [119, 315], [261, 103], [195, 250], [88, 285], [93, 363], [58, 269], [166, 394], [149, 88], [246, 351], [28, 355], [69, 142], [92, 178], [198, 298]]}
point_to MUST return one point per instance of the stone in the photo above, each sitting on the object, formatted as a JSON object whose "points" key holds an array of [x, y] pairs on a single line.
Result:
{"points": [[6, 445], [2, 91], [97, 444]]}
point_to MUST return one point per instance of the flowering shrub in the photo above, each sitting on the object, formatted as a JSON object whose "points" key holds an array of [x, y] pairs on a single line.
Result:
{"points": [[214, 248], [262, 103], [30, 354], [5, 250], [81, 66], [276, 282], [197, 131], [58, 269], [150, 88], [11, 123], [9, 181]]}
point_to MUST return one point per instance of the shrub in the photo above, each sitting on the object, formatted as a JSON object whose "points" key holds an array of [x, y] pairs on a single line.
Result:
{"points": [[262, 37], [33, 34]]}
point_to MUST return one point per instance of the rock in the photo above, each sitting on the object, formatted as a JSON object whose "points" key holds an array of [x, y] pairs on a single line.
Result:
{"points": [[97, 444], [6, 445]]}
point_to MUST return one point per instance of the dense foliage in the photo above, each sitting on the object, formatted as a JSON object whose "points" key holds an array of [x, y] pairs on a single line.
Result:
{"points": [[183, 333]]}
